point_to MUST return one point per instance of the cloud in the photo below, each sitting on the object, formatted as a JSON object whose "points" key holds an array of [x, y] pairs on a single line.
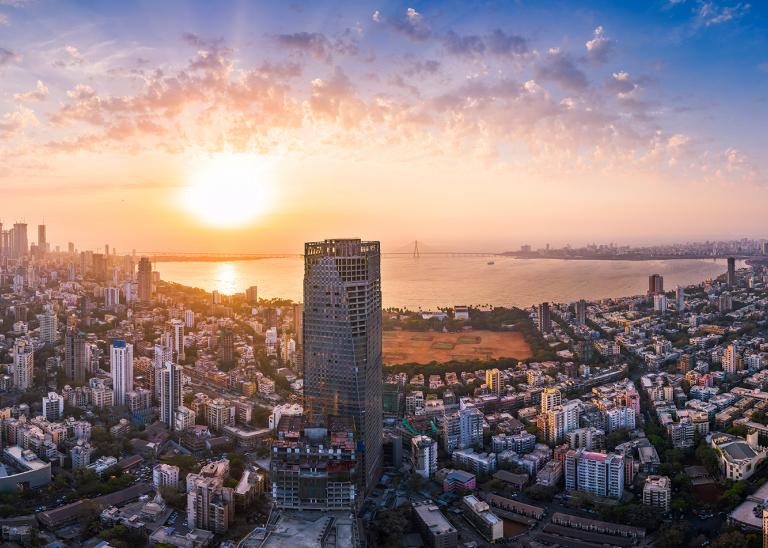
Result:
{"points": [[560, 68], [497, 43], [621, 84], [411, 25], [4, 20], [40, 93], [13, 122], [710, 14], [7, 57], [318, 45], [599, 48], [71, 58], [423, 68]]}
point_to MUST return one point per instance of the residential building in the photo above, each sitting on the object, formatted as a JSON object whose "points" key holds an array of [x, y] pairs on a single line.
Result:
{"points": [[657, 492], [121, 368], [424, 456], [598, 474]]}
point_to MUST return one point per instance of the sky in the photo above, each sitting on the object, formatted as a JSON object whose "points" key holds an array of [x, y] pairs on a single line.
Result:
{"points": [[256, 126]]}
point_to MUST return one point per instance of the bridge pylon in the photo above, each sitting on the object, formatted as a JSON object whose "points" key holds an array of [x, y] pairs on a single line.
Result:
{"points": [[416, 253]]}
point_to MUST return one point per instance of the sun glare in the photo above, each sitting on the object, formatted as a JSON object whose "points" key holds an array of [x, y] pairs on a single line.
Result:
{"points": [[229, 190]]}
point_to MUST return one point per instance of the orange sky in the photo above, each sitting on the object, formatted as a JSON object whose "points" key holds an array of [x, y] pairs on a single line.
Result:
{"points": [[474, 132]]}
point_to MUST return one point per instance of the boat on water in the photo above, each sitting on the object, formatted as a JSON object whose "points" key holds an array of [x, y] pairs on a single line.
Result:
{"points": [[491, 262]]}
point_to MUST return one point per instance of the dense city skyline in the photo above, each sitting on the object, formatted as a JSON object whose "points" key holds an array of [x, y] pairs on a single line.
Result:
{"points": [[475, 124]]}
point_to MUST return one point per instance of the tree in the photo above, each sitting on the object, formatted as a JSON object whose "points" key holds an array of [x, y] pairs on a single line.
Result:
{"points": [[671, 536]]}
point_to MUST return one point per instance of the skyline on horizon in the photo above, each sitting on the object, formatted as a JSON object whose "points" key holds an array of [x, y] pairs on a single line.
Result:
{"points": [[463, 125]]}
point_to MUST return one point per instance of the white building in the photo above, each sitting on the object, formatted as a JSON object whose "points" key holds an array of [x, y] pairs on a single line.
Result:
{"points": [[657, 492], [165, 475], [53, 407], [81, 455], [121, 368], [424, 456], [619, 417], [660, 302], [111, 297], [189, 319], [738, 459], [23, 364], [598, 474], [48, 327], [170, 392]]}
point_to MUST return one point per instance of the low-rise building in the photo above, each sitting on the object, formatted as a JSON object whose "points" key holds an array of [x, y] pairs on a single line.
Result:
{"points": [[435, 528], [480, 516]]}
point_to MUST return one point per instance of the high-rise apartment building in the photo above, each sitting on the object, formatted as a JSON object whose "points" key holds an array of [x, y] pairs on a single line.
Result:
{"points": [[550, 398], [170, 393], [121, 367], [657, 492], [23, 364], [177, 340], [145, 280], [48, 327], [342, 340], [544, 319], [493, 381], [598, 474], [424, 456], [730, 360], [76, 355], [210, 505], [53, 407], [559, 421]]}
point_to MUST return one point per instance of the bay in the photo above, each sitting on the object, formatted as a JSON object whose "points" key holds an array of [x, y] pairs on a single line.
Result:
{"points": [[427, 282]]}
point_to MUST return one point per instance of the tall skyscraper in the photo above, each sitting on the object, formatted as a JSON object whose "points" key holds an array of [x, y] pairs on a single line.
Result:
{"points": [[177, 339], [145, 280], [655, 284], [581, 311], [76, 356], [544, 318], [23, 364], [342, 340], [170, 393], [731, 275], [19, 244], [42, 242], [121, 367]]}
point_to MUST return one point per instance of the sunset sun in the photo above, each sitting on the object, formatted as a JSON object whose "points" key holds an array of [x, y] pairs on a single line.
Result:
{"points": [[228, 190]]}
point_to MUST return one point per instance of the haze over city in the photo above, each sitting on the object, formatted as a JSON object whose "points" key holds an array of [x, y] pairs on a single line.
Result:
{"points": [[253, 127]]}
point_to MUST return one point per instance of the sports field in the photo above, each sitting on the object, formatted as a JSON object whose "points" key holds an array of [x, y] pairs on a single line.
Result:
{"points": [[419, 347]]}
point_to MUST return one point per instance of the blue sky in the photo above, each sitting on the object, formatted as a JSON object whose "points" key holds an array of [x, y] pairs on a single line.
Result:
{"points": [[555, 95]]}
